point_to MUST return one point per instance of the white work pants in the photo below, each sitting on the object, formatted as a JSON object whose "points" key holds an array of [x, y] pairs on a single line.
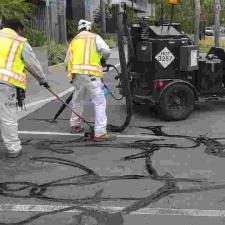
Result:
{"points": [[8, 118], [90, 88]]}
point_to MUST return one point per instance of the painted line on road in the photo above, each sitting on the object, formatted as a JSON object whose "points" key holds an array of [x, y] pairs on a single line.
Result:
{"points": [[42, 101], [82, 134], [144, 211], [50, 98]]}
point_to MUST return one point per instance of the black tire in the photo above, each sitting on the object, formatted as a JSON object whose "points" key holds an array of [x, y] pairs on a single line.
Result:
{"points": [[177, 102]]}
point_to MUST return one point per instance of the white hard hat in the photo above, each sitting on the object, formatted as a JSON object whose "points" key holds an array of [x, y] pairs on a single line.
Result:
{"points": [[84, 24]]}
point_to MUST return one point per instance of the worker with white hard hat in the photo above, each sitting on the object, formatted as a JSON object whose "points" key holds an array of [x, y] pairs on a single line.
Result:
{"points": [[84, 56]]}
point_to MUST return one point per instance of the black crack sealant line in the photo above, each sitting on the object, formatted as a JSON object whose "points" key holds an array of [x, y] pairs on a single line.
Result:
{"points": [[31, 190]]}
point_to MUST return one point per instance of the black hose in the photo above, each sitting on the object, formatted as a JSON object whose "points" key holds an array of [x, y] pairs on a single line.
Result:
{"points": [[68, 100], [122, 27]]}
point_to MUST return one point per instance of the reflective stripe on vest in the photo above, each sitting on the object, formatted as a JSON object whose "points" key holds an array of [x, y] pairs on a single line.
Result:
{"points": [[11, 64], [87, 67], [12, 75], [12, 55], [87, 60], [8, 35]]}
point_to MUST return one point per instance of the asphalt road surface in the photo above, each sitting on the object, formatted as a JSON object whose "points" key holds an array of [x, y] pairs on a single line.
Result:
{"points": [[155, 172]]}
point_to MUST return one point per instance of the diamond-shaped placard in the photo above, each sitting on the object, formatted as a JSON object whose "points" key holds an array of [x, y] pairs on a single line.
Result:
{"points": [[165, 57]]}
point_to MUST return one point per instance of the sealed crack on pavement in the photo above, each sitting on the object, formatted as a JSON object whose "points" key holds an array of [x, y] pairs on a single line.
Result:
{"points": [[103, 217]]}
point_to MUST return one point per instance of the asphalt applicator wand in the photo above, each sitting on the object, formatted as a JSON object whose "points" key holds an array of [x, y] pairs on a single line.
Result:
{"points": [[88, 133]]}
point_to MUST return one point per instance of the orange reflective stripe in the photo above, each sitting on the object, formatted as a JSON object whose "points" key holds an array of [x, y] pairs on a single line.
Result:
{"points": [[15, 76], [6, 78], [87, 67], [11, 57]]}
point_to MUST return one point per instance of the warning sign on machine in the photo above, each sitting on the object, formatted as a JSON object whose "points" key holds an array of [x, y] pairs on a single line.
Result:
{"points": [[165, 57]]}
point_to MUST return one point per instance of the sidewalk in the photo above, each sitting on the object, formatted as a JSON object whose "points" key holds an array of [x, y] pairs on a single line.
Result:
{"points": [[37, 96]]}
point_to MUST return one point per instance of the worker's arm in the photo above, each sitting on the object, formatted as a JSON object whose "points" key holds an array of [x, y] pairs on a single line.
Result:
{"points": [[102, 47], [68, 56], [32, 63]]}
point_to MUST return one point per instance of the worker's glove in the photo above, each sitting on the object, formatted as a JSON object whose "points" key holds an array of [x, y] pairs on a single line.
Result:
{"points": [[44, 84], [103, 62]]}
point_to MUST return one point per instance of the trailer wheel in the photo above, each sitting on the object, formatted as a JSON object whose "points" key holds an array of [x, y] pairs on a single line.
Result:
{"points": [[177, 102]]}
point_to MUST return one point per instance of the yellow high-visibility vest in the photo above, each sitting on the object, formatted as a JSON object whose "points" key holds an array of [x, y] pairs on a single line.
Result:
{"points": [[11, 63], [83, 58]]}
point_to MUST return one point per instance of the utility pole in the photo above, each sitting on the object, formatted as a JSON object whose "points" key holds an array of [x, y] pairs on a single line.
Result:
{"points": [[132, 5], [217, 22], [197, 20], [103, 17], [61, 10], [161, 13]]}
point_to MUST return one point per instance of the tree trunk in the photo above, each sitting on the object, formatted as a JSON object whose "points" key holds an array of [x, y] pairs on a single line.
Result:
{"points": [[103, 17], [197, 20], [0, 21], [217, 22], [61, 10]]}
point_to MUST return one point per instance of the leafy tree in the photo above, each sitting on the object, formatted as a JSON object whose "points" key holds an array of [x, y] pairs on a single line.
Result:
{"points": [[184, 13], [19, 9]]}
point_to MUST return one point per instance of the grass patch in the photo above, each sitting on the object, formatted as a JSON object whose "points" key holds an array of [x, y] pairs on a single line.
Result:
{"points": [[207, 43], [111, 40], [56, 53]]}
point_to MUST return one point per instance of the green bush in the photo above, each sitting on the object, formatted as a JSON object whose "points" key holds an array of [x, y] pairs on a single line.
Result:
{"points": [[111, 40], [95, 28], [56, 53], [71, 26], [35, 38]]}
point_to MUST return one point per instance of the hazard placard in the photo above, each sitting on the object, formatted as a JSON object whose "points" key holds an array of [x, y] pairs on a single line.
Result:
{"points": [[165, 57]]}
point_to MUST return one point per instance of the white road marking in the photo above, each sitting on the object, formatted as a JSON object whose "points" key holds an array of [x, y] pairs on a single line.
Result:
{"points": [[82, 134], [144, 211], [46, 100]]}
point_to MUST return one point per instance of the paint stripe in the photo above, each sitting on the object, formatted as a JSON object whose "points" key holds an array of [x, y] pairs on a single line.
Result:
{"points": [[81, 134], [46, 100], [50, 98], [144, 211]]}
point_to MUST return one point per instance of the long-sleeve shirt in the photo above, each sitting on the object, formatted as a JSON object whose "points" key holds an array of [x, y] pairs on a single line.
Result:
{"points": [[99, 46], [32, 63]]}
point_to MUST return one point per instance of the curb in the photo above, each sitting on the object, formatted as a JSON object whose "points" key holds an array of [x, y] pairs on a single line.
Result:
{"points": [[56, 65]]}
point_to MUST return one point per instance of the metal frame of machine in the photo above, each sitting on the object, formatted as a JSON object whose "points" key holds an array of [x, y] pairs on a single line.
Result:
{"points": [[165, 69]]}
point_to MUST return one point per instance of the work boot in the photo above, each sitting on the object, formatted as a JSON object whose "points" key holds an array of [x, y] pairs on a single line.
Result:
{"points": [[103, 137], [13, 154], [76, 129]]}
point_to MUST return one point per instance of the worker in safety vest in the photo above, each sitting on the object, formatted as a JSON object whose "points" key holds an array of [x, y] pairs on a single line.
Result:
{"points": [[84, 67], [15, 54]]}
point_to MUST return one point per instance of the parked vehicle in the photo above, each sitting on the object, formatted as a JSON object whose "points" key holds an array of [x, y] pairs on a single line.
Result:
{"points": [[209, 31]]}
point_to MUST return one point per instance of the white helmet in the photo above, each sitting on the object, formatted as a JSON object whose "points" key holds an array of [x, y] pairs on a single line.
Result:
{"points": [[84, 24]]}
